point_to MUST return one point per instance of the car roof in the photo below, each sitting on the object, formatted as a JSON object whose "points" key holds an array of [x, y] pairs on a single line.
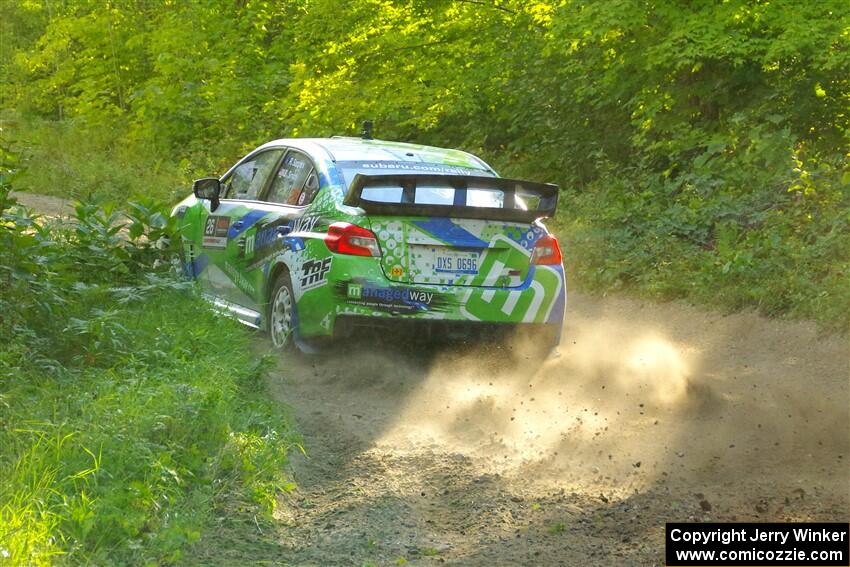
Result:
{"points": [[342, 149]]}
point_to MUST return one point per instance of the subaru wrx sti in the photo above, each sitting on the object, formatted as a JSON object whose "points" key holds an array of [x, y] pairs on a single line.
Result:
{"points": [[317, 239]]}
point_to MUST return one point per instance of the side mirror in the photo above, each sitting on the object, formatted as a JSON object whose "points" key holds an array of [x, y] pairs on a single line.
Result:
{"points": [[208, 188]]}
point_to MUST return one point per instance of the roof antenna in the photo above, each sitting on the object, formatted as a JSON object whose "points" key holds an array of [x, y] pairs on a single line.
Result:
{"points": [[366, 134]]}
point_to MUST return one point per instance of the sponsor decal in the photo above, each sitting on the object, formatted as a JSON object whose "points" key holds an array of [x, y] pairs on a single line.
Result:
{"points": [[304, 224], [215, 231], [394, 299], [266, 236], [269, 234], [249, 245], [397, 271], [407, 296], [239, 279], [314, 273], [409, 167], [355, 291], [276, 235]]}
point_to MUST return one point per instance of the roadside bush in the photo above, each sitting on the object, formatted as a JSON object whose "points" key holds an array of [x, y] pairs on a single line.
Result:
{"points": [[92, 161], [780, 248], [130, 409]]}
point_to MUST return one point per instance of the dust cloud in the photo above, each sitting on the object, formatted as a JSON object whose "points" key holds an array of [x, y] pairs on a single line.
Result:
{"points": [[482, 455], [581, 418], [631, 402]]}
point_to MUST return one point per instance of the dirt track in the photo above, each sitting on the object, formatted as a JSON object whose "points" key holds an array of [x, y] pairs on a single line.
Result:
{"points": [[652, 413], [44, 204]]}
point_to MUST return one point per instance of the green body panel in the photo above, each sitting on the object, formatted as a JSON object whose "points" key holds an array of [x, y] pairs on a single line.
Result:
{"points": [[430, 267], [408, 248]]}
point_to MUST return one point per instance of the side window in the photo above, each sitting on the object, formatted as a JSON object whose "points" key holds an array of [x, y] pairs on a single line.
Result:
{"points": [[250, 177], [296, 182]]}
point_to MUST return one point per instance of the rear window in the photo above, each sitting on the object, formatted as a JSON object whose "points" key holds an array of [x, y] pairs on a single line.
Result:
{"points": [[461, 196], [474, 195]]}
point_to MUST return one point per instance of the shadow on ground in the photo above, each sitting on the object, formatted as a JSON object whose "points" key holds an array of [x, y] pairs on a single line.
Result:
{"points": [[480, 456]]}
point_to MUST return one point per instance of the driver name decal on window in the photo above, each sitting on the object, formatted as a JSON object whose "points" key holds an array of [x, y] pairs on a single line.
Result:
{"points": [[215, 231]]}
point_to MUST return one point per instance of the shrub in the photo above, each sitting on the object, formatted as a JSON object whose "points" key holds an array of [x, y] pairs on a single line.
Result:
{"points": [[130, 409]]}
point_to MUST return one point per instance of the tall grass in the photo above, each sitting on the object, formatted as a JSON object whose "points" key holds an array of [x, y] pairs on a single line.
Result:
{"points": [[75, 159], [128, 409]]}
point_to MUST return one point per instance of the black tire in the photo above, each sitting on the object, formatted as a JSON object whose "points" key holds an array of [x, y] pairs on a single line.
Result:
{"points": [[281, 313]]}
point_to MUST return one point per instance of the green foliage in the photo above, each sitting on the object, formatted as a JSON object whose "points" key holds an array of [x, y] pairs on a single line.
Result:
{"points": [[129, 408], [78, 159], [702, 146], [786, 255]]}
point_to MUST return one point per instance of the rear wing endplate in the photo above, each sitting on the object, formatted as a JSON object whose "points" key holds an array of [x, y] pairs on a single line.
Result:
{"points": [[515, 197]]}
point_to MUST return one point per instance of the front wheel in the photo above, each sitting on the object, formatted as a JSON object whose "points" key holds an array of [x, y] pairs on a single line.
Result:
{"points": [[281, 313]]}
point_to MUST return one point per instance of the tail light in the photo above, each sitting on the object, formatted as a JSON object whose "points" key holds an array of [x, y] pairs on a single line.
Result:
{"points": [[546, 251], [347, 238]]}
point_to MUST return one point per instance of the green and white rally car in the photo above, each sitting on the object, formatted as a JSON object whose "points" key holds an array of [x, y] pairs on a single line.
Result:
{"points": [[315, 239]]}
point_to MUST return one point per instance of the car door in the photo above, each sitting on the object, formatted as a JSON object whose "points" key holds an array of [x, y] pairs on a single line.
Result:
{"points": [[286, 204], [224, 229]]}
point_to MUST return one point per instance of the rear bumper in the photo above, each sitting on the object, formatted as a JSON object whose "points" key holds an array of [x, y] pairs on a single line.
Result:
{"points": [[359, 291], [400, 330]]}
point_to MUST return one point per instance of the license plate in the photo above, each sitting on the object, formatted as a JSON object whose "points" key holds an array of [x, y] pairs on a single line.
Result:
{"points": [[455, 262]]}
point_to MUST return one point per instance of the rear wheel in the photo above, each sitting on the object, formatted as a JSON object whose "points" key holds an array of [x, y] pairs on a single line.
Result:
{"points": [[281, 313]]}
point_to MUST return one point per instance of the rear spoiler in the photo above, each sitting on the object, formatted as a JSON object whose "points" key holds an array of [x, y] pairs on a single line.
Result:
{"points": [[546, 205]]}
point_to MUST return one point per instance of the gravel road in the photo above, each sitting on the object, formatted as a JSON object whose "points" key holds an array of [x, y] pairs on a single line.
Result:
{"points": [[478, 456], [44, 204], [652, 413]]}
